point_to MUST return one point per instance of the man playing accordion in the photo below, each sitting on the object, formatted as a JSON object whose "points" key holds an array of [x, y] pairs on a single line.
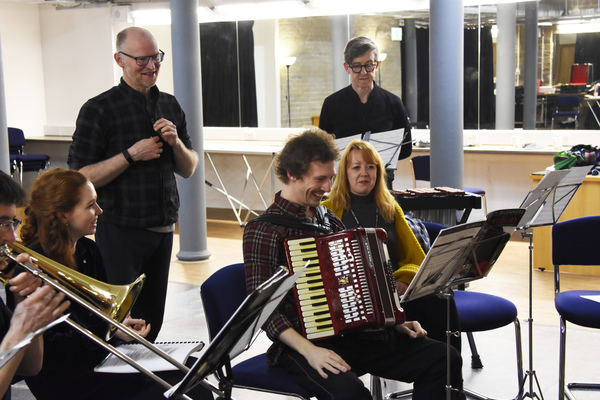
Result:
{"points": [[330, 368]]}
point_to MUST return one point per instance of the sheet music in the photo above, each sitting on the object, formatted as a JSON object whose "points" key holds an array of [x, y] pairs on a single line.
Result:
{"points": [[556, 188], [388, 144], [463, 253], [247, 338], [345, 141]]}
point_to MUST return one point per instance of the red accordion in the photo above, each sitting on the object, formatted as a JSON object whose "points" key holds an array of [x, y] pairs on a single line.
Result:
{"points": [[348, 285]]}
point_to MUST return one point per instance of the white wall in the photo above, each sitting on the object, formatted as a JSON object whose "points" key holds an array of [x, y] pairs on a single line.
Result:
{"points": [[23, 66], [78, 58]]}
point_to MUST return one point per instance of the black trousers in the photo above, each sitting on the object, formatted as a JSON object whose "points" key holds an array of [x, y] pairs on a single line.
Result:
{"points": [[421, 361], [130, 252], [432, 313]]}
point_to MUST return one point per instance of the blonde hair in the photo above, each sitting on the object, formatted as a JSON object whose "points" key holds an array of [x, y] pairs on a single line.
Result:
{"points": [[340, 191]]}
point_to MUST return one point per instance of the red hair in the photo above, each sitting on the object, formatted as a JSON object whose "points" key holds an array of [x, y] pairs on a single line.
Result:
{"points": [[52, 193]]}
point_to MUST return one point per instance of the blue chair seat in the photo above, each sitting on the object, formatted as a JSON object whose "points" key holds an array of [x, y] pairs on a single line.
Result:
{"points": [[473, 190], [254, 373], [475, 317], [566, 113], [577, 310]]}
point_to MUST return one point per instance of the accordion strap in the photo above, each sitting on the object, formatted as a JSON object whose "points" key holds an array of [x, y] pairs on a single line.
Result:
{"points": [[288, 220]]}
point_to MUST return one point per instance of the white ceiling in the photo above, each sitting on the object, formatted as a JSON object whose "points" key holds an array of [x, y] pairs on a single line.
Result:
{"points": [[548, 10]]}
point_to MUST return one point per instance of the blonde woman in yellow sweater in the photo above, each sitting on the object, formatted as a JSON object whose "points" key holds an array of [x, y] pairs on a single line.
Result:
{"points": [[360, 198]]}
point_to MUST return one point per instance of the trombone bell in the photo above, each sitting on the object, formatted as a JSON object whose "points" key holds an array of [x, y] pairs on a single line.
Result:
{"points": [[114, 301]]}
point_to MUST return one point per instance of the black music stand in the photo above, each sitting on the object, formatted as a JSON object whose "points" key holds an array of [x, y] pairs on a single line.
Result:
{"points": [[237, 334], [461, 254], [544, 205]]}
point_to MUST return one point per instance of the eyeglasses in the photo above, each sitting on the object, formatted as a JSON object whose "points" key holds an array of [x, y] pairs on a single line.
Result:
{"points": [[369, 67], [7, 223], [141, 61]]}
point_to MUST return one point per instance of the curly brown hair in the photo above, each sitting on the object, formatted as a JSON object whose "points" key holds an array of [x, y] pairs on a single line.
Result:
{"points": [[301, 150], [54, 192]]}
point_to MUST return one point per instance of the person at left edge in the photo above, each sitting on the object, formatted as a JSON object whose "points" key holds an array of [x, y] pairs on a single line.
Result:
{"points": [[35, 306], [130, 141]]}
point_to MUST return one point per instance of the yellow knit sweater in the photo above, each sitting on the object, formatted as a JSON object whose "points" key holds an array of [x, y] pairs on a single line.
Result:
{"points": [[411, 251]]}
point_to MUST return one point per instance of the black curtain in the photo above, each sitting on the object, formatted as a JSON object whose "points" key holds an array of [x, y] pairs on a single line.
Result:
{"points": [[479, 79], [487, 105], [228, 76], [586, 51], [422, 37]]}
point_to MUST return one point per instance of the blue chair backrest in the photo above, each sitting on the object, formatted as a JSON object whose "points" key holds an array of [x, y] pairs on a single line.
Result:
{"points": [[421, 167], [568, 101], [16, 140], [222, 293], [574, 241], [433, 229]]}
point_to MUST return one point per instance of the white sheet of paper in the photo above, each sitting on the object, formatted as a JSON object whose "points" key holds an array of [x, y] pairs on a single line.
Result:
{"points": [[595, 298]]}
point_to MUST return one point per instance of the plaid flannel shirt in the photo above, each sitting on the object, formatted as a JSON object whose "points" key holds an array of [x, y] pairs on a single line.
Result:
{"points": [[145, 194], [264, 254]]}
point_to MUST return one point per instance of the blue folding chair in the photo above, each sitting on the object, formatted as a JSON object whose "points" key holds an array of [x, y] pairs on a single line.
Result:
{"points": [[567, 107], [222, 293], [574, 243]]}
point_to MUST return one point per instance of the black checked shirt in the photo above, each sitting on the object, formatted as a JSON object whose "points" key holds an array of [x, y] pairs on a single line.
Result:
{"points": [[145, 194]]}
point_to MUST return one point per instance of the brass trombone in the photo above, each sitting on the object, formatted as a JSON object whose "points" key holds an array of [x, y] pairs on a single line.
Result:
{"points": [[111, 303]]}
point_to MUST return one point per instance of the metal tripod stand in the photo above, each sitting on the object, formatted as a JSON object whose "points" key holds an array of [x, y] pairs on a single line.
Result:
{"points": [[530, 373]]}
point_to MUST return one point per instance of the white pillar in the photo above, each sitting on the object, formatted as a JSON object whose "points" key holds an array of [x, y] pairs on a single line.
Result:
{"points": [[4, 150], [341, 32], [506, 66]]}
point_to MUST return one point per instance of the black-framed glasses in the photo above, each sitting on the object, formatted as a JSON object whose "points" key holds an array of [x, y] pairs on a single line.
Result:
{"points": [[5, 224], [141, 61], [369, 67]]}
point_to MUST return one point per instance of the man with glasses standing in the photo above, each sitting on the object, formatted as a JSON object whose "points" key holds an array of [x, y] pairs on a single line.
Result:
{"points": [[130, 141], [363, 106]]}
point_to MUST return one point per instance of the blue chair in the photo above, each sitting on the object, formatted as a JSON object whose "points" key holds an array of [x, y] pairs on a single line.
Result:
{"points": [[574, 243], [479, 312], [222, 293], [21, 162], [421, 172], [567, 107]]}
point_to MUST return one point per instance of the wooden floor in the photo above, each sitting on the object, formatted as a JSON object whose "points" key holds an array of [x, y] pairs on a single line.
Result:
{"points": [[509, 278]]}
